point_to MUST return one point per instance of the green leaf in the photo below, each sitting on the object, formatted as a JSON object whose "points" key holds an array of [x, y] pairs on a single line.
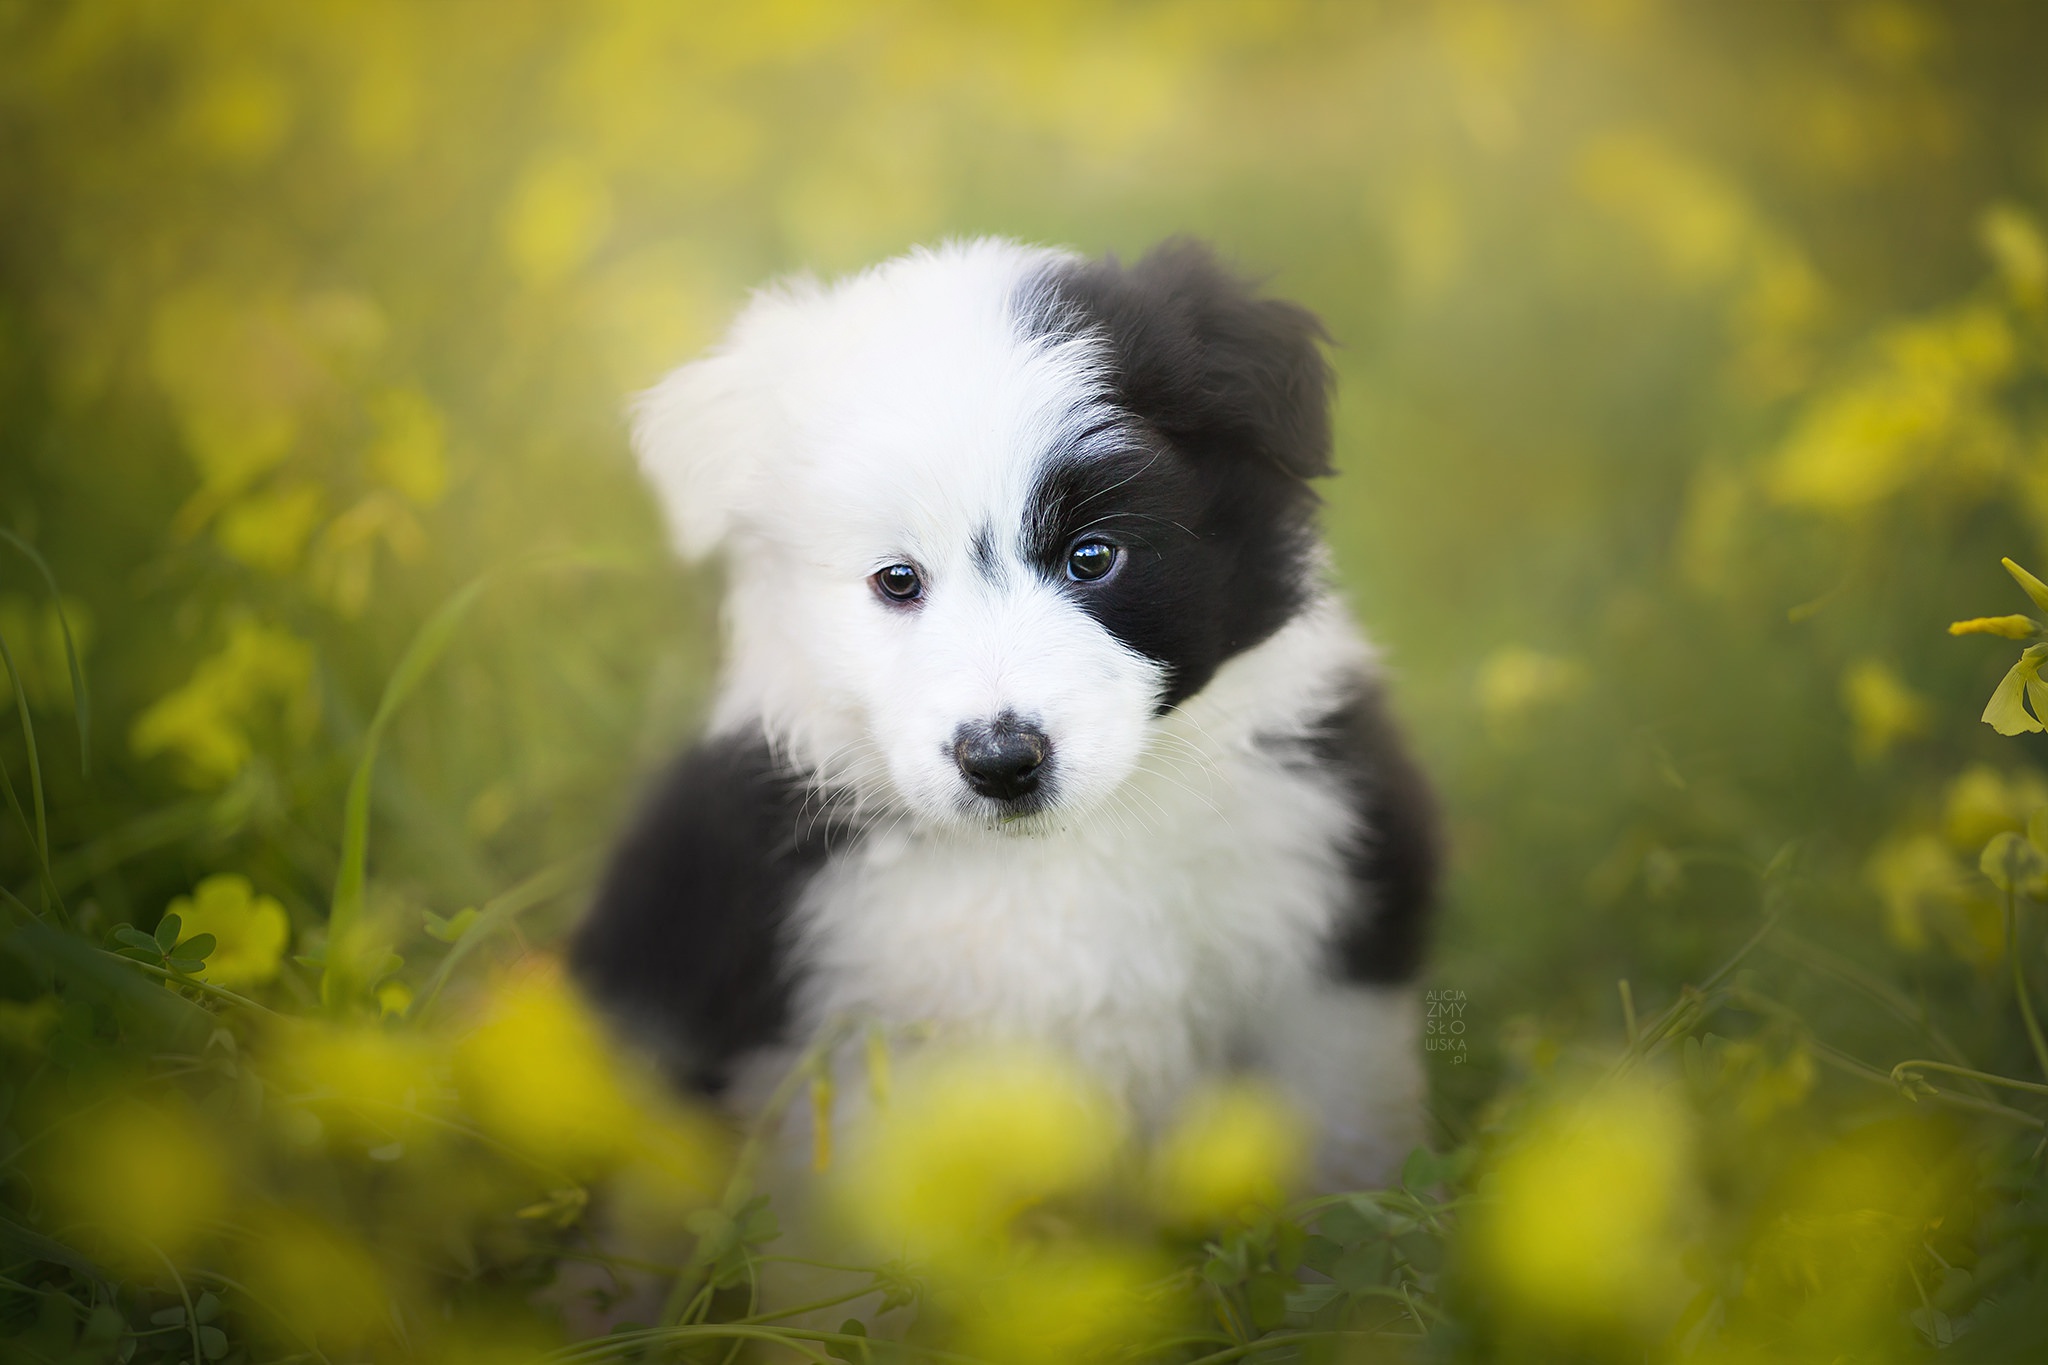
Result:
{"points": [[199, 946], [849, 1350], [207, 1308], [1349, 1224], [2033, 586], [104, 1324], [1319, 1253], [167, 932], [452, 928], [1266, 1297], [213, 1342], [168, 1317], [190, 966], [131, 937], [1311, 1298], [2010, 861], [1361, 1268]]}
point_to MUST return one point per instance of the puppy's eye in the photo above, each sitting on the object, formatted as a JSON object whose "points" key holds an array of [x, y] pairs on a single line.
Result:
{"points": [[899, 583], [1090, 560]]}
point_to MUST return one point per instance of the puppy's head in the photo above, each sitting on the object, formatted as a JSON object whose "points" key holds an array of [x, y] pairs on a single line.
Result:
{"points": [[988, 511]]}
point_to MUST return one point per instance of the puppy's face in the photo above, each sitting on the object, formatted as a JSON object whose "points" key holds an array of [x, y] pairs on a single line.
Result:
{"points": [[989, 512]]}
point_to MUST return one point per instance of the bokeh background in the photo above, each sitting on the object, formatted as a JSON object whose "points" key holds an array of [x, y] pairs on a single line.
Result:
{"points": [[1691, 381]]}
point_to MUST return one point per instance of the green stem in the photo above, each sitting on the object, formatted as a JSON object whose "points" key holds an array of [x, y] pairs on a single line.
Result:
{"points": [[2019, 980], [1989, 1078], [792, 1337], [206, 987]]}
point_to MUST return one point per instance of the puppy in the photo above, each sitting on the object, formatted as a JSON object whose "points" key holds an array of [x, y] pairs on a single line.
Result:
{"points": [[1040, 719]]}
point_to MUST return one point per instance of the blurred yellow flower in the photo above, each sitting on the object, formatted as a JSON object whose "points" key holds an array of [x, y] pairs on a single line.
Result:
{"points": [[324, 1287], [560, 211], [1828, 1265], [2013, 240], [204, 723], [410, 451], [1060, 1303], [343, 564], [1698, 222], [237, 373], [369, 1076], [1882, 709], [239, 116], [268, 530], [141, 1181], [971, 1138], [1923, 888], [1586, 1211], [1982, 801], [539, 1074], [1234, 1147], [1916, 407], [1515, 681], [249, 931]]}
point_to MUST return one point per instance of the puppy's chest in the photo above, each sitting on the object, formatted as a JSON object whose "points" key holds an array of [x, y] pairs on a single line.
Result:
{"points": [[1143, 936]]}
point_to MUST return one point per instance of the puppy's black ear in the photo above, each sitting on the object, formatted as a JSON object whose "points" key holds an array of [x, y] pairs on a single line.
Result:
{"points": [[1202, 357]]}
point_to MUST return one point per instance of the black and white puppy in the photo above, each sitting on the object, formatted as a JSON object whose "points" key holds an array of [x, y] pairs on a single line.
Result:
{"points": [[1040, 718]]}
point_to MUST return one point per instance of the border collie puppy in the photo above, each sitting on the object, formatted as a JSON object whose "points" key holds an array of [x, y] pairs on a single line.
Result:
{"points": [[1040, 718]]}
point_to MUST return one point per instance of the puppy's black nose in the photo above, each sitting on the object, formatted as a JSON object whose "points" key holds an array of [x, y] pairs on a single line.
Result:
{"points": [[1002, 760]]}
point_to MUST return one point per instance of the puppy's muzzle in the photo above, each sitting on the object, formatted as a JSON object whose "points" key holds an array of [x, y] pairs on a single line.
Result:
{"points": [[1002, 761]]}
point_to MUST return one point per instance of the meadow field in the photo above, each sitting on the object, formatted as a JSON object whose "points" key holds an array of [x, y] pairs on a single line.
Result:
{"points": [[1693, 384]]}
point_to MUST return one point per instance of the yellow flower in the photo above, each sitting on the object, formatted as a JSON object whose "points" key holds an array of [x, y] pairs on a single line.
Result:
{"points": [[369, 1082], [969, 1140], [1982, 801], [560, 212], [1060, 1304], [1881, 707], [1916, 408], [140, 1181], [1515, 681], [205, 723], [1582, 1222], [268, 530], [249, 931], [2007, 712], [538, 1074], [321, 1283], [2010, 627], [410, 452], [1234, 1147]]}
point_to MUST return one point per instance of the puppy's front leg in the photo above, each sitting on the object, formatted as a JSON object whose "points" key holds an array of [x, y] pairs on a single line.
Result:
{"points": [[686, 943]]}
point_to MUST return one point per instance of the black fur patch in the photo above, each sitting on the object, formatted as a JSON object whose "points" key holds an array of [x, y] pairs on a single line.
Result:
{"points": [[686, 941], [1204, 484], [983, 550], [1384, 930]]}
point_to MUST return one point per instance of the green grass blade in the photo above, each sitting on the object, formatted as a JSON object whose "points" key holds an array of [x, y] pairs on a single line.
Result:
{"points": [[39, 830], [81, 700], [420, 656], [501, 910], [425, 650]]}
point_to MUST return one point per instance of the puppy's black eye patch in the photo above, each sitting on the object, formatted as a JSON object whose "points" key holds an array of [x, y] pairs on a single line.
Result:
{"points": [[1090, 559], [899, 583]]}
